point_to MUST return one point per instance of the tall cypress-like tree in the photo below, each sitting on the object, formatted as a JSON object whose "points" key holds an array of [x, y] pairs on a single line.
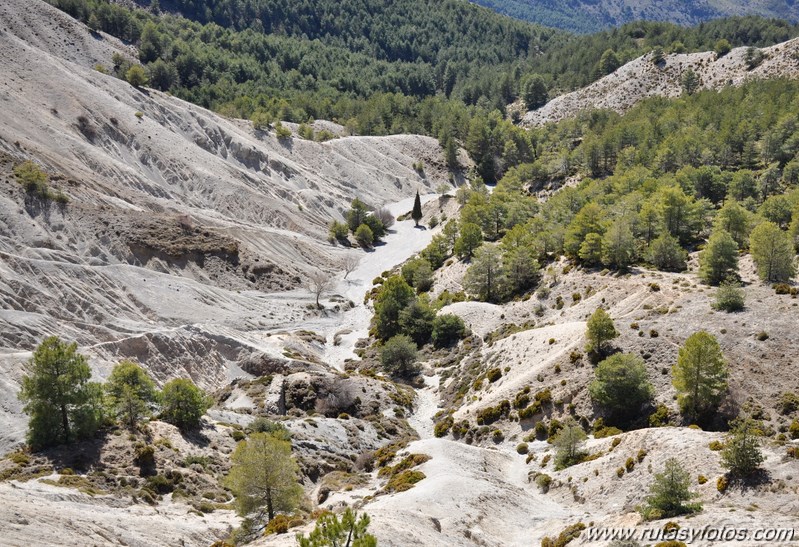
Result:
{"points": [[416, 214]]}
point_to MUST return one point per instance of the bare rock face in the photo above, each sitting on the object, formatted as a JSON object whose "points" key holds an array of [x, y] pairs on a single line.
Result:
{"points": [[643, 78]]}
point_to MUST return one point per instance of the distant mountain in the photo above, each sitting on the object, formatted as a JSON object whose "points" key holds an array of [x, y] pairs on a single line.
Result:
{"points": [[587, 16]]}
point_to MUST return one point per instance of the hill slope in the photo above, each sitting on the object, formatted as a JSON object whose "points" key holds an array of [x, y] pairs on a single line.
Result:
{"points": [[642, 78], [588, 16], [179, 222]]}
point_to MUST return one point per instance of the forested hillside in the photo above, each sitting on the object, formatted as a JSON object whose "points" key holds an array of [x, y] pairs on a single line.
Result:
{"points": [[588, 16], [445, 69], [656, 183]]}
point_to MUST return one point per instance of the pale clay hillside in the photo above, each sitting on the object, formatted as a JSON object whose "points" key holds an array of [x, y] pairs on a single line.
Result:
{"points": [[642, 78], [186, 244]]}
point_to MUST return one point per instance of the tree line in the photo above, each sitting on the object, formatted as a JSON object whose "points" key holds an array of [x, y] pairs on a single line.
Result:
{"points": [[65, 406], [713, 171], [445, 69]]}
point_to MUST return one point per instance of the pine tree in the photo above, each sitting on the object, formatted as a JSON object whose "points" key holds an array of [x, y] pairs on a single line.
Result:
{"points": [[183, 404], [136, 76], [608, 63], [350, 531], [700, 375], [600, 330], [130, 392], [534, 91], [357, 214], [618, 246], [398, 356], [772, 252], [666, 254], [568, 443], [621, 384], [735, 220], [264, 479], [416, 214], [62, 404], [469, 240], [719, 260], [741, 454], [485, 278], [669, 493], [394, 296]]}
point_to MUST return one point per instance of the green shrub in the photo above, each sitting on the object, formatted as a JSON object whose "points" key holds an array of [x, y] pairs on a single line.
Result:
{"points": [[33, 179], [788, 403], [144, 454], [543, 481], [338, 231], [279, 524], [203, 461], [305, 131], [793, 429], [136, 76], [521, 400], [494, 374], [282, 132], [491, 414], [364, 236], [522, 448], [159, 484], [405, 480], [447, 329], [21, 459], [729, 297], [544, 396], [781, 288], [607, 432], [553, 428], [660, 417], [540, 431], [565, 537], [262, 424], [398, 357], [442, 427]]}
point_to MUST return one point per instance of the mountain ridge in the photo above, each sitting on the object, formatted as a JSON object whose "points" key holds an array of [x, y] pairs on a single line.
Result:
{"points": [[584, 16]]}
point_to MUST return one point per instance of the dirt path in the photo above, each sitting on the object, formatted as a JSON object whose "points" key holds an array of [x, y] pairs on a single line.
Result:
{"points": [[472, 495], [404, 241]]}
